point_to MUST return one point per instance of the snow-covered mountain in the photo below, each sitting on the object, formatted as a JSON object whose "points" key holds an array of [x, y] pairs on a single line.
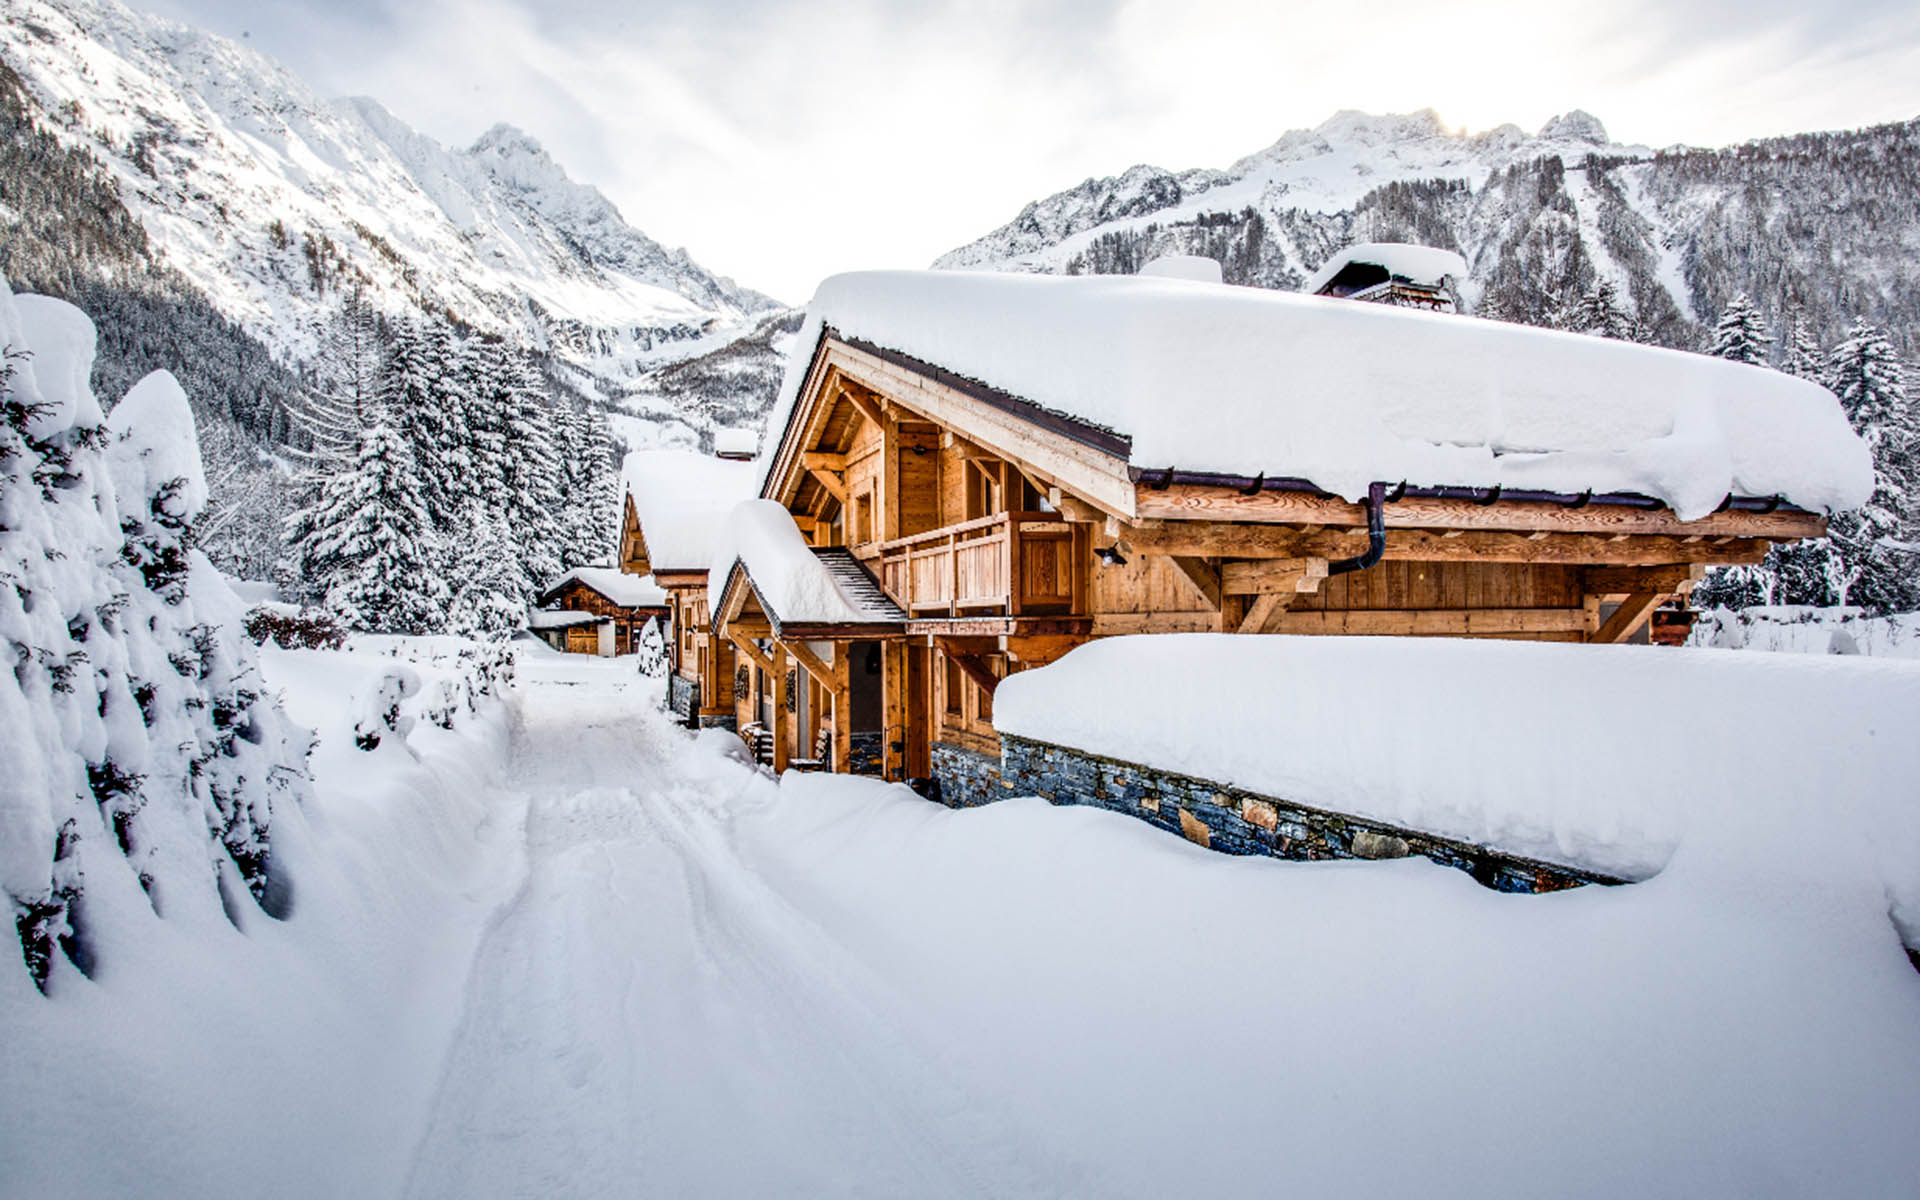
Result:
{"points": [[1816, 227], [272, 200]]}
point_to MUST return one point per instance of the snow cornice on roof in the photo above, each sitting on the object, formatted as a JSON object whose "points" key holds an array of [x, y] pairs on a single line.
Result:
{"points": [[1244, 383]]}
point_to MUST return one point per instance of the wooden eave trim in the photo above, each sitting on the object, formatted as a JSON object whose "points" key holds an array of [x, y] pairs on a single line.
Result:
{"points": [[680, 579], [792, 631], [1191, 502], [1045, 445]]}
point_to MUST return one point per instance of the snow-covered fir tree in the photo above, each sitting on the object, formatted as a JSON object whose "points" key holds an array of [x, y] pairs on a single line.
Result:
{"points": [[1870, 553], [532, 473], [1599, 311], [372, 530], [1804, 357], [1740, 335], [134, 727]]}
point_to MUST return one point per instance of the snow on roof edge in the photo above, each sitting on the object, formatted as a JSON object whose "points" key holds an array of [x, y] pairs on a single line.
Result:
{"points": [[1432, 400]]}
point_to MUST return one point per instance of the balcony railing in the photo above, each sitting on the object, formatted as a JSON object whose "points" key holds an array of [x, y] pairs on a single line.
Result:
{"points": [[1008, 564]]}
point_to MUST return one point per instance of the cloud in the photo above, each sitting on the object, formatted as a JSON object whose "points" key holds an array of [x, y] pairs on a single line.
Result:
{"points": [[781, 142]]}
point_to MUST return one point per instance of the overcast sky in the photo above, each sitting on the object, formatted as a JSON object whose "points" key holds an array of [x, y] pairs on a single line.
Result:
{"points": [[782, 142]]}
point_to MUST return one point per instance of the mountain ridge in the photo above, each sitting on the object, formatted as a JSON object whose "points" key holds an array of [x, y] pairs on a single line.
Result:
{"points": [[273, 200], [1818, 228]]}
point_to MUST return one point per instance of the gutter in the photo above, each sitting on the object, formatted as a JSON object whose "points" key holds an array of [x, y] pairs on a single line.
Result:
{"points": [[1252, 485]]}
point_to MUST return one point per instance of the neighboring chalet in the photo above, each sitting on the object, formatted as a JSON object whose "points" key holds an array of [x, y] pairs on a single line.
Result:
{"points": [[975, 473], [598, 610], [676, 502], [1392, 273]]}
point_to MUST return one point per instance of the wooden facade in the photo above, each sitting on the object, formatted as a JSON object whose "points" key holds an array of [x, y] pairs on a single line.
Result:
{"points": [[1007, 535], [574, 595], [697, 660]]}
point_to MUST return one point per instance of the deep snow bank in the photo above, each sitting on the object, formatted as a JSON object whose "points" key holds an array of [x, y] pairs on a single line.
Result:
{"points": [[1180, 1022], [1796, 768], [145, 767], [297, 1057]]}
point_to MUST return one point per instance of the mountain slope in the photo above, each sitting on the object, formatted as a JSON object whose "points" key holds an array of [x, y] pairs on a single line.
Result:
{"points": [[1816, 227], [272, 201]]}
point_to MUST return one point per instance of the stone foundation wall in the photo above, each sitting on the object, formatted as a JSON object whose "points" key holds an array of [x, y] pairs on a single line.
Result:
{"points": [[864, 754], [1219, 817], [967, 778], [683, 696], [718, 721]]}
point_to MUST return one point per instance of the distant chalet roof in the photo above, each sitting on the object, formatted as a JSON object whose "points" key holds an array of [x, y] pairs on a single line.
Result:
{"points": [[1427, 266], [1172, 374], [543, 618], [682, 498], [736, 444], [797, 584], [622, 588]]}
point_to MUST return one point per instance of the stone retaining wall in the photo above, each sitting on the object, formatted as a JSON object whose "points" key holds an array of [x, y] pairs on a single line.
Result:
{"points": [[1219, 817]]}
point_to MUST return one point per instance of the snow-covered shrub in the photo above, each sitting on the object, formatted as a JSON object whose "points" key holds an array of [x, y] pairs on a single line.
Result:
{"points": [[134, 728], [653, 651], [295, 629], [377, 711]]}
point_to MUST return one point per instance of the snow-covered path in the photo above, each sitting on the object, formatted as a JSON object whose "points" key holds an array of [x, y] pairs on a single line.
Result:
{"points": [[648, 1017]]}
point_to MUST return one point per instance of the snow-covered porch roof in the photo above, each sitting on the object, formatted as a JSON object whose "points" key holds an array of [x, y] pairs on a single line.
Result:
{"points": [[680, 499], [804, 591]]}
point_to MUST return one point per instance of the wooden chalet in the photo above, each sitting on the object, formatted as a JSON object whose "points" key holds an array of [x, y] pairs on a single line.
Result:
{"points": [[675, 502], [1392, 273], [623, 601], [973, 530]]}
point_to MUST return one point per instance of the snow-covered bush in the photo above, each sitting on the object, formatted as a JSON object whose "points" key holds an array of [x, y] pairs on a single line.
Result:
{"points": [[134, 727], [377, 711], [293, 628], [652, 650]]}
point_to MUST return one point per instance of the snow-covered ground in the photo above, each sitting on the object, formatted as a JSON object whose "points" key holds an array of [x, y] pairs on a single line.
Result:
{"points": [[572, 950]]}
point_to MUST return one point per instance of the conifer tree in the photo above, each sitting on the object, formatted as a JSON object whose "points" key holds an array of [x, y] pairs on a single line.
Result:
{"points": [[1805, 359], [373, 530], [532, 474], [1740, 336], [421, 391], [1599, 311], [1870, 553]]}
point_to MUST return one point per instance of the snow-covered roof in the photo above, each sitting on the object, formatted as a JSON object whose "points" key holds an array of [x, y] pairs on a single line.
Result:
{"points": [[682, 499], [797, 584], [1428, 266], [1477, 748], [542, 618], [736, 443], [623, 588], [1244, 381]]}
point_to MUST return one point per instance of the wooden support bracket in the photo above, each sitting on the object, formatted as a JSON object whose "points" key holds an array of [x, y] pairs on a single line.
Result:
{"points": [[1203, 575], [1267, 576], [1632, 613]]}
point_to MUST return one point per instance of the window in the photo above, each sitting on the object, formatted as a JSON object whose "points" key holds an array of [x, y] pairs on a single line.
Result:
{"points": [[956, 687]]}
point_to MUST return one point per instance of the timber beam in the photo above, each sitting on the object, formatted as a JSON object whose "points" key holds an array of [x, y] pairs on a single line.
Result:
{"points": [[751, 652], [1673, 578], [1218, 540], [1630, 616], [1269, 575], [1203, 575], [834, 485], [971, 664], [1185, 502], [813, 663]]}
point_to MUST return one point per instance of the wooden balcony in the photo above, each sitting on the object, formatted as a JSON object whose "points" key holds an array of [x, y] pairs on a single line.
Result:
{"points": [[1010, 564]]}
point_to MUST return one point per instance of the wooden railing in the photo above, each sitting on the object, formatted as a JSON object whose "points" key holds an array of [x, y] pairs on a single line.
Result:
{"points": [[1007, 564]]}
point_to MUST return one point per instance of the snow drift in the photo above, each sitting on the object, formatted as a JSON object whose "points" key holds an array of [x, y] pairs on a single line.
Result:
{"points": [[1796, 769]]}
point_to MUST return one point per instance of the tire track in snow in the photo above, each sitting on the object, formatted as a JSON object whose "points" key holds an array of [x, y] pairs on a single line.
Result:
{"points": [[649, 1016]]}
